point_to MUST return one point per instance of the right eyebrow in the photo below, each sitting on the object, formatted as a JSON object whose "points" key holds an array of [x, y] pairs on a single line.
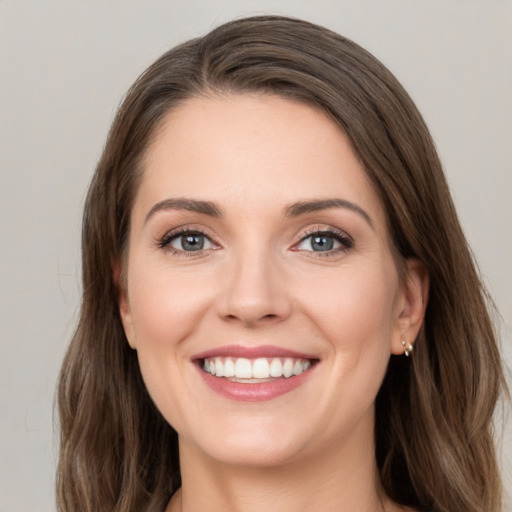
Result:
{"points": [[192, 205], [303, 207]]}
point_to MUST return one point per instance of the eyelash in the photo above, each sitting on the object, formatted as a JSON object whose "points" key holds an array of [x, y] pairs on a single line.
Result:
{"points": [[345, 241], [165, 242]]}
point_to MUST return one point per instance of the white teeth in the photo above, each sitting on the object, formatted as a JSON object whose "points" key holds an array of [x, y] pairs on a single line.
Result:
{"points": [[243, 369], [276, 368], [261, 368], [219, 368], [288, 368], [229, 367]]}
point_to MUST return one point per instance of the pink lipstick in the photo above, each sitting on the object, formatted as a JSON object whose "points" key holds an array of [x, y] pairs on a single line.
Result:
{"points": [[254, 373]]}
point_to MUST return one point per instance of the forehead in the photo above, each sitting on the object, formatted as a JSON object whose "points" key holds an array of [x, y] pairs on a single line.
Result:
{"points": [[255, 150]]}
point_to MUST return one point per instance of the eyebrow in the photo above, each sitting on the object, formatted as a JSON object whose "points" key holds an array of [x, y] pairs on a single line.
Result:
{"points": [[303, 207], [192, 205], [293, 210]]}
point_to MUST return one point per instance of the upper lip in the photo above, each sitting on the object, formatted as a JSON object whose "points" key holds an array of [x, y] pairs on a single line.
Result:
{"points": [[252, 352]]}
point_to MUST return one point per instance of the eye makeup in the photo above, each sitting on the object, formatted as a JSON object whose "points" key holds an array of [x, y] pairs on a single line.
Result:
{"points": [[186, 241], [320, 241]]}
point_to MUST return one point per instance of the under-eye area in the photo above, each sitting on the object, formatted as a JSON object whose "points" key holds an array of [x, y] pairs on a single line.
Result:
{"points": [[255, 370]]}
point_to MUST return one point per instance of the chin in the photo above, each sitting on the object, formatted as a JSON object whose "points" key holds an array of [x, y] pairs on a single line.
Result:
{"points": [[254, 446], [254, 455]]}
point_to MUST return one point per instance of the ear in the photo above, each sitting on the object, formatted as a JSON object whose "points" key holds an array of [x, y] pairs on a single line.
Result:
{"points": [[411, 305], [125, 311]]}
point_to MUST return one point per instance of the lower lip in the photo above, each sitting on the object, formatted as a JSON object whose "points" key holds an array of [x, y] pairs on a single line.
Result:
{"points": [[254, 392]]}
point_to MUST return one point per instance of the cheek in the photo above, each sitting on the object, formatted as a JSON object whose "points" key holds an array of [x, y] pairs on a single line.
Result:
{"points": [[166, 310], [165, 305], [356, 318], [355, 309]]}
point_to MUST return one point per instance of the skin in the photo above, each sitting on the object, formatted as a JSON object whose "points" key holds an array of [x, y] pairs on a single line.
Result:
{"points": [[259, 282]]}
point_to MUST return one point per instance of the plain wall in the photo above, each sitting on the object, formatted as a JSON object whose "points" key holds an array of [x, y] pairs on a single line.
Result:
{"points": [[64, 68]]}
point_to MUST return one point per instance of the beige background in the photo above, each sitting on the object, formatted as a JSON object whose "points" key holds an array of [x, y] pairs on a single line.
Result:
{"points": [[64, 68]]}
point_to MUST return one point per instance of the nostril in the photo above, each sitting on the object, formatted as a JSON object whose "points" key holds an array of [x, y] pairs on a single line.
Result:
{"points": [[250, 303], [252, 318]]}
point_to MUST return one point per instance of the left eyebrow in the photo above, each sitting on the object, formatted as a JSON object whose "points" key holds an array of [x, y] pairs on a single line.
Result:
{"points": [[303, 207], [181, 203]]}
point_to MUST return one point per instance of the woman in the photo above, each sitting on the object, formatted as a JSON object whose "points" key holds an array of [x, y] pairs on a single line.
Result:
{"points": [[280, 310]]}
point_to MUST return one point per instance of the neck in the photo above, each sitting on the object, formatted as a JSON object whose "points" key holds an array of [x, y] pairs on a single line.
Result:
{"points": [[338, 480]]}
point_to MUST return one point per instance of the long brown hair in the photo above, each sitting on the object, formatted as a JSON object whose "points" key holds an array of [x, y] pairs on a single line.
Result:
{"points": [[433, 431]]}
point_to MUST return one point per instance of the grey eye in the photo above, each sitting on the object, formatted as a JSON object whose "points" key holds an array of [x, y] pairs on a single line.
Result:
{"points": [[319, 242], [191, 242], [322, 243]]}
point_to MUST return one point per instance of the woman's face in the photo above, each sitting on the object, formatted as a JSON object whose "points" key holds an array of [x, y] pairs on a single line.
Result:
{"points": [[260, 293]]}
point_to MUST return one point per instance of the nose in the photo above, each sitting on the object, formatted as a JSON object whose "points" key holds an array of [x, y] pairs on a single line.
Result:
{"points": [[254, 292]]}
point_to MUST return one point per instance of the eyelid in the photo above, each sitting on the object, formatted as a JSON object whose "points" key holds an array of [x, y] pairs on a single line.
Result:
{"points": [[164, 241], [178, 239], [323, 228], [346, 241]]}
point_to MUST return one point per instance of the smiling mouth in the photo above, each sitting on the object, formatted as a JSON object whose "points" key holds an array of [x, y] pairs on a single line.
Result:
{"points": [[258, 370]]}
